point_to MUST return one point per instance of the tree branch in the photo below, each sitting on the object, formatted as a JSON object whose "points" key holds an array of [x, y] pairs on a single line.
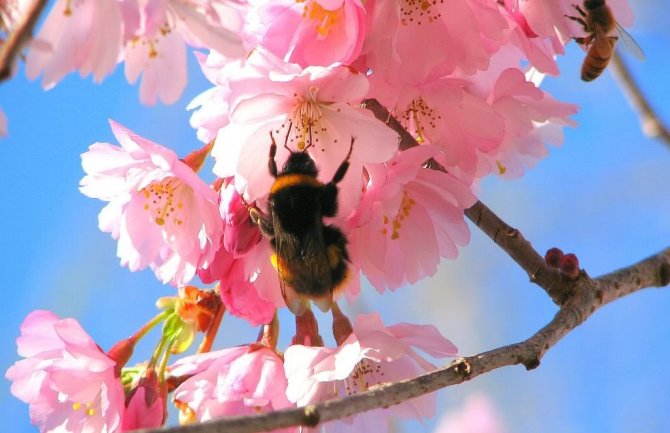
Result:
{"points": [[587, 296], [505, 236], [21, 33], [652, 126]]}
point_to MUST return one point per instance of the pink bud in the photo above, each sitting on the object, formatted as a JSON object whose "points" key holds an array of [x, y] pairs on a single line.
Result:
{"points": [[146, 403], [121, 353]]}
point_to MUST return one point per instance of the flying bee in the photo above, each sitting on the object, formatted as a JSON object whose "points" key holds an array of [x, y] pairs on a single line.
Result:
{"points": [[311, 257], [598, 22]]}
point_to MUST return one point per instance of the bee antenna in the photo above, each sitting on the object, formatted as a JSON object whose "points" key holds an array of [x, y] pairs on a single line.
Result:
{"points": [[310, 140], [288, 133], [351, 147]]}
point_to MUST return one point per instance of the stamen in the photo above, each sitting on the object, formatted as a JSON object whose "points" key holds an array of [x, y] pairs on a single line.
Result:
{"points": [[419, 11], [161, 197], [404, 210]]}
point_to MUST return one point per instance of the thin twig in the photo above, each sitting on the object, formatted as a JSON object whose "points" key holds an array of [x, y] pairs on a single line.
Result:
{"points": [[505, 236], [587, 296], [652, 126], [21, 33]]}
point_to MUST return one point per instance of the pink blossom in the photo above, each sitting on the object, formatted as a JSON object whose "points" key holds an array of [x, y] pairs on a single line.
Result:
{"points": [[249, 284], [66, 379], [319, 106], [156, 34], [532, 118], [210, 108], [413, 40], [478, 415], [3, 124], [80, 35], [235, 381], [409, 217], [10, 11], [313, 32], [541, 52], [240, 234], [146, 403], [163, 215], [445, 113], [372, 354]]}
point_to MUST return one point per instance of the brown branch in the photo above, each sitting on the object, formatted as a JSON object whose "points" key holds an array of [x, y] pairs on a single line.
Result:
{"points": [[505, 236], [652, 126], [20, 34], [587, 296]]}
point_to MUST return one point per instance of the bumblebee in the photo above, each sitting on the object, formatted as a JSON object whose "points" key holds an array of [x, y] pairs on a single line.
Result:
{"points": [[311, 257]]}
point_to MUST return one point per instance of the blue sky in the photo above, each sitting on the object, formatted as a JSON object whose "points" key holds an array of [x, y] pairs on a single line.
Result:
{"points": [[604, 195]]}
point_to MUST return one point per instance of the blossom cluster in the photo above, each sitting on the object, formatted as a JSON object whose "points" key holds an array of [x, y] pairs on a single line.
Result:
{"points": [[288, 77]]}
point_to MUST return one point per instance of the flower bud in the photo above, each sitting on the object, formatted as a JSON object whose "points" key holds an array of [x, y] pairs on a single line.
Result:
{"points": [[146, 403], [553, 257], [569, 266]]}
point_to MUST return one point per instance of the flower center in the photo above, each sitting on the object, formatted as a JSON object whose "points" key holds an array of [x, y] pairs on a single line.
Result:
{"points": [[419, 11], [161, 203], [88, 408], [417, 116], [366, 374], [305, 115], [322, 18], [393, 226]]}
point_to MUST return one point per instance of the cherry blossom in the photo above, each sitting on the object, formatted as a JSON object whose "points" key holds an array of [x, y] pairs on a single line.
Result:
{"points": [[156, 33], [445, 113], [478, 415], [313, 32], [402, 46], [163, 215], [65, 377], [82, 35], [532, 118], [235, 381], [3, 124], [372, 354], [240, 234], [312, 109], [408, 218], [146, 403]]}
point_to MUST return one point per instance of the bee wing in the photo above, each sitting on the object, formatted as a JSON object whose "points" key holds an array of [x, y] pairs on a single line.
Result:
{"points": [[628, 44]]}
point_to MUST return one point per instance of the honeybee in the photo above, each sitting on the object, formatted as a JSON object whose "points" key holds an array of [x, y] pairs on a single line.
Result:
{"points": [[311, 257], [598, 22]]}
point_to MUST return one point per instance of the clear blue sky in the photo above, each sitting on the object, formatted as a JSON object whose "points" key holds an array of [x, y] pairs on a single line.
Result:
{"points": [[605, 195]]}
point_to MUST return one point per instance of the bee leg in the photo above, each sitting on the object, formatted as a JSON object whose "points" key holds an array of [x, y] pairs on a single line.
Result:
{"points": [[580, 21], [329, 194], [272, 164], [585, 41], [324, 304], [342, 170], [262, 222], [579, 10]]}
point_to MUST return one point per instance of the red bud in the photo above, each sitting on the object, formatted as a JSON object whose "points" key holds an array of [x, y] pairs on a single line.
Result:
{"points": [[570, 266], [553, 257]]}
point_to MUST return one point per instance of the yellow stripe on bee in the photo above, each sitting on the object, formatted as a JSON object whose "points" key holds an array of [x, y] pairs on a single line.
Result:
{"points": [[334, 256], [289, 180], [280, 267]]}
